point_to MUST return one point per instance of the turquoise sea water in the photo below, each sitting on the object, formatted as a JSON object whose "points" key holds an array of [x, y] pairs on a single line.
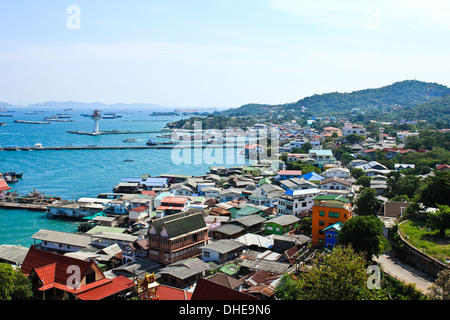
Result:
{"points": [[81, 173]]}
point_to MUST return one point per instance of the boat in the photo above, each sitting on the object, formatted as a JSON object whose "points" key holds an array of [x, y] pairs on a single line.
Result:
{"points": [[32, 122], [130, 140], [2, 123], [5, 115], [151, 142], [128, 160]]}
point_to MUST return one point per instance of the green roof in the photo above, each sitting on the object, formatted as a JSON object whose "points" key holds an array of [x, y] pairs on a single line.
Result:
{"points": [[332, 197], [248, 210], [230, 269]]}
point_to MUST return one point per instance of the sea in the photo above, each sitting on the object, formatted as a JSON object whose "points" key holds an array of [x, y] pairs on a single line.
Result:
{"points": [[72, 174]]}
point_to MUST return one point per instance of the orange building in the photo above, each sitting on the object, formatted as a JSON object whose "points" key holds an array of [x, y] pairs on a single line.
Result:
{"points": [[328, 210]]}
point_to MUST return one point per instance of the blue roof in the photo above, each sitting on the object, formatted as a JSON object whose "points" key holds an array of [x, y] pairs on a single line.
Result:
{"points": [[337, 226], [312, 176]]}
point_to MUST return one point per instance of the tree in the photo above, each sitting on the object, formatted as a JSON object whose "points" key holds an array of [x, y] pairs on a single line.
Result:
{"points": [[406, 185], [365, 235], [14, 285], [366, 202], [364, 181], [306, 225], [413, 142], [439, 220], [355, 138], [436, 189], [340, 275], [440, 290], [357, 172]]}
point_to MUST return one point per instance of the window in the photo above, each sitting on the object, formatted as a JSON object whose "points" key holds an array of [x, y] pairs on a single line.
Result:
{"points": [[206, 254], [333, 214], [322, 213], [321, 223], [329, 236]]}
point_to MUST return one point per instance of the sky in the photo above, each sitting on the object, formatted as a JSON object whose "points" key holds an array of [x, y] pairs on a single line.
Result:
{"points": [[216, 53]]}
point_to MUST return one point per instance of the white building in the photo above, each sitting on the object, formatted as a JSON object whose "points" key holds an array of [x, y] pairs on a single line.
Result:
{"points": [[343, 173], [298, 143], [353, 128], [296, 202]]}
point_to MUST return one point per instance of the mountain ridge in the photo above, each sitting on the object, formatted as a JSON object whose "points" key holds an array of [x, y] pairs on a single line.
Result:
{"points": [[402, 93]]}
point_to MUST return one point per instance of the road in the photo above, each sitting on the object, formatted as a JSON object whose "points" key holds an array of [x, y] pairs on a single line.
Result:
{"points": [[404, 272]]}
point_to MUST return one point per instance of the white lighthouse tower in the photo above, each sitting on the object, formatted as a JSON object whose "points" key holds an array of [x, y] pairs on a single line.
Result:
{"points": [[96, 116]]}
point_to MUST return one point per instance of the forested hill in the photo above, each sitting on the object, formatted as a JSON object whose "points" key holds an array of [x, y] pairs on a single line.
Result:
{"points": [[404, 93]]}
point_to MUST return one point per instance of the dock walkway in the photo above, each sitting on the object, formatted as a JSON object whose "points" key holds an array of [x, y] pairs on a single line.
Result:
{"points": [[24, 206]]}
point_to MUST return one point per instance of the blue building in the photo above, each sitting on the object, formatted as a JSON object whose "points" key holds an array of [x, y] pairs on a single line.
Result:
{"points": [[331, 235]]}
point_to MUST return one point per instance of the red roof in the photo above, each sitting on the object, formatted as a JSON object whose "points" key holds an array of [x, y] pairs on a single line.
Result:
{"points": [[4, 186], [170, 293], [442, 166], [169, 208], [290, 172], [209, 290], [177, 200], [139, 209], [148, 192], [114, 286]]}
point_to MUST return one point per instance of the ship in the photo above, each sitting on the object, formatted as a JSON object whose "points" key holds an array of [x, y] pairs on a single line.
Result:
{"points": [[32, 122]]}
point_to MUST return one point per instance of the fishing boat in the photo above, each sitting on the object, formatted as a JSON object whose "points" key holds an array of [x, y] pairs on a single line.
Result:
{"points": [[151, 142], [13, 174]]}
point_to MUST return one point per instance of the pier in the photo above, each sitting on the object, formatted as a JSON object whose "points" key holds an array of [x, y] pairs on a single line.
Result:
{"points": [[158, 146], [113, 132], [23, 206]]}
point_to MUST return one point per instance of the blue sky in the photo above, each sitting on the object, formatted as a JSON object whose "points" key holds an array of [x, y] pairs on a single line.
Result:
{"points": [[216, 53]]}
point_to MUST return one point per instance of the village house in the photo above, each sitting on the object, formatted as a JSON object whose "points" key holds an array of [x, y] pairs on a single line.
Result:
{"points": [[288, 174], [328, 210], [222, 251], [339, 172], [297, 202], [172, 205], [350, 128], [52, 277], [182, 274], [335, 183], [281, 224], [63, 208], [176, 237], [322, 156], [59, 241], [331, 235]]}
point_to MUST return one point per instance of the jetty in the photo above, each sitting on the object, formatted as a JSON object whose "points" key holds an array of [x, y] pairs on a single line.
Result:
{"points": [[114, 132], [162, 145], [23, 206]]}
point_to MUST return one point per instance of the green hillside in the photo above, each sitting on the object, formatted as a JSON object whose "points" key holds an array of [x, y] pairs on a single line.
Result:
{"points": [[404, 93]]}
